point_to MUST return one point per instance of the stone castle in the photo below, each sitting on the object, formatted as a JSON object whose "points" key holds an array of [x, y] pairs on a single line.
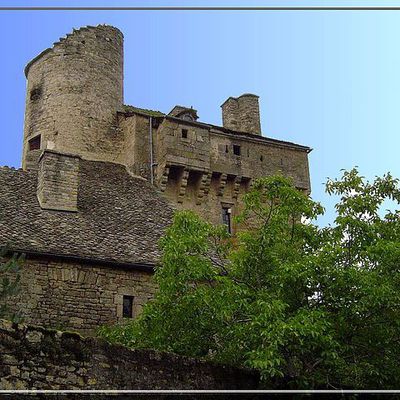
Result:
{"points": [[100, 181]]}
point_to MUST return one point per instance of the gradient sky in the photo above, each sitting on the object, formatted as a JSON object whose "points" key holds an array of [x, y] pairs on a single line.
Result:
{"points": [[326, 79]]}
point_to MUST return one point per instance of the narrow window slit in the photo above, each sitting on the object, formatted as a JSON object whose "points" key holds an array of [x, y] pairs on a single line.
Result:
{"points": [[127, 307]]}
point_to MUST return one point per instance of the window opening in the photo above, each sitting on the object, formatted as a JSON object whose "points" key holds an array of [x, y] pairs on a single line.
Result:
{"points": [[226, 218], [184, 133], [34, 143], [236, 150], [127, 307], [36, 93]]}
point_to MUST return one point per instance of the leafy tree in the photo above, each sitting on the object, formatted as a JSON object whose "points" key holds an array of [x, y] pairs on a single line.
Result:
{"points": [[309, 307], [10, 276]]}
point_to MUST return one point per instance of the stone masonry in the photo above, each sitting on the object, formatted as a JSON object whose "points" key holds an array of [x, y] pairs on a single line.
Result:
{"points": [[242, 113], [74, 92], [74, 295], [58, 181], [36, 358]]}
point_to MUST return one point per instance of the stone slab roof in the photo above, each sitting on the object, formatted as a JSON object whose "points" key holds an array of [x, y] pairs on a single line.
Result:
{"points": [[120, 217]]}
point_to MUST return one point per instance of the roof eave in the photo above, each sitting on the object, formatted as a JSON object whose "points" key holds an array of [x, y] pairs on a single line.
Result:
{"points": [[141, 266]]}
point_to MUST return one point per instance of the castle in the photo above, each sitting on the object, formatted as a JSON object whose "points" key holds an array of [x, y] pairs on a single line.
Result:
{"points": [[100, 181]]}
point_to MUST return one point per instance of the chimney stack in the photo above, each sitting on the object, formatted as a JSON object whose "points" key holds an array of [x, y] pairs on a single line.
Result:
{"points": [[242, 114], [58, 181]]}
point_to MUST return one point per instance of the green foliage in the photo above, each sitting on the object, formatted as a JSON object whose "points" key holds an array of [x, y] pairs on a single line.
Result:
{"points": [[309, 307], [10, 276]]}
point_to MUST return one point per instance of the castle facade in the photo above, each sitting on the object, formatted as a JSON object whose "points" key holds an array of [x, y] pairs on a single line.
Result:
{"points": [[100, 181]]}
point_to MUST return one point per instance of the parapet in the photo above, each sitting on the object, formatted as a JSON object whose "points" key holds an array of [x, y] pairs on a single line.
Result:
{"points": [[64, 40]]}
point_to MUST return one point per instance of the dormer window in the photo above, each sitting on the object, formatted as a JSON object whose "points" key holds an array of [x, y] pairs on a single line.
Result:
{"points": [[185, 113], [187, 117]]}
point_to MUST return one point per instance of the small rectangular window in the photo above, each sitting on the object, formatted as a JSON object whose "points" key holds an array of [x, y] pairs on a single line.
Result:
{"points": [[34, 143], [184, 133], [226, 218], [127, 307], [236, 150], [226, 149]]}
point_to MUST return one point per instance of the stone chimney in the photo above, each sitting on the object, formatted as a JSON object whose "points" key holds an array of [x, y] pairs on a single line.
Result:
{"points": [[58, 181], [242, 114]]}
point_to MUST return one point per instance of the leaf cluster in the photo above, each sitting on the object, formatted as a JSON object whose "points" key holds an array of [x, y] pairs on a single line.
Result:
{"points": [[309, 307], [10, 276]]}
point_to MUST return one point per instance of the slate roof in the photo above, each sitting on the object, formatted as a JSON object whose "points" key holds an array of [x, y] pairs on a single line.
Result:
{"points": [[120, 217]]}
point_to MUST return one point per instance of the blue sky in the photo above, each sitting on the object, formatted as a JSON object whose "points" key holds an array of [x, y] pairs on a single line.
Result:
{"points": [[326, 79]]}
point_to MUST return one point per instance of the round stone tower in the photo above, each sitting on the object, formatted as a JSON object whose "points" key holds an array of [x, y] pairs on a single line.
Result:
{"points": [[74, 92]]}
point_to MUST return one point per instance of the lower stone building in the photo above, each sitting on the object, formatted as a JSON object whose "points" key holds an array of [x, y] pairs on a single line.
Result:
{"points": [[85, 268]]}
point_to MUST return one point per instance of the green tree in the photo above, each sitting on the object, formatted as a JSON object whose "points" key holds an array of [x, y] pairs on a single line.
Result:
{"points": [[10, 275], [309, 307]]}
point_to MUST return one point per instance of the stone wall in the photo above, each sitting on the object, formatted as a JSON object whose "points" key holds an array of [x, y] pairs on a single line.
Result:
{"points": [[203, 172], [78, 296], [36, 358], [74, 91]]}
